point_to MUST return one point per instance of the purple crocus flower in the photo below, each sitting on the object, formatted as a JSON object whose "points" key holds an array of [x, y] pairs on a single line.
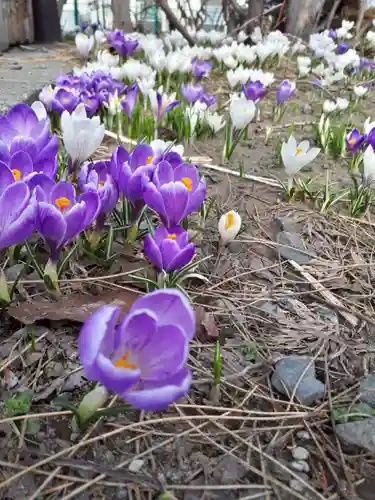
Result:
{"points": [[60, 216], [200, 68], [169, 249], [207, 99], [17, 210], [128, 170], [21, 130], [254, 91], [96, 177], [65, 100], [166, 151], [130, 100], [92, 103], [332, 34], [284, 91], [122, 45], [143, 359], [342, 48], [370, 139], [161, 104], [174, 193], [191, 92], [354, 140]]}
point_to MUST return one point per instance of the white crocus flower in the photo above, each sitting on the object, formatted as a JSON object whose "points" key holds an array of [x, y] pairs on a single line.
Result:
{"points": [[360, 91], [81, 135], [241, 112], [107, 59], [368, 126], [342, 103], [329, 106], [229, 226], [40, 110], [296, 156], [47, 95], [215, 121], [99, 37], [369, 165], [84, 44], [114, 104], [159, 147]]}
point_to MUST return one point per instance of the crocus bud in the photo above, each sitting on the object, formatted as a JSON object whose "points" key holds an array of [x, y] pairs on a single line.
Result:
{"points": [[4, 292], [50, 275], [93, 400], [229, 226]]}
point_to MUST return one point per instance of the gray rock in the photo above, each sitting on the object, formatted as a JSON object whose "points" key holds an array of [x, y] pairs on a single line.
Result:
{"points": [[16, 66], [360, 433], [300, 465], [300, 453], [287, 374], [297, 485], [367, 390], [304, 435]]}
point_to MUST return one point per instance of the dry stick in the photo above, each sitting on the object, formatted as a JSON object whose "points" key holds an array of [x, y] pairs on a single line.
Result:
{"points": [[249, 21], [333, 12], [323, 291]]}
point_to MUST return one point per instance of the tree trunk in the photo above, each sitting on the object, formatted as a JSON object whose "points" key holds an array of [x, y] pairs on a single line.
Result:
{"points": [[121, 15], [60, 6], [255, 10], [302, 15]]}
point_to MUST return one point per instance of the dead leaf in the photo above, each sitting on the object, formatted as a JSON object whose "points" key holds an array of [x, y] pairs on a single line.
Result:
{"points": [[74, 307], [206, 326]]}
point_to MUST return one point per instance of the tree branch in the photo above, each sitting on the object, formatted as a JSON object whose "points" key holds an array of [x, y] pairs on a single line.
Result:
{"points": [[173, 21]]}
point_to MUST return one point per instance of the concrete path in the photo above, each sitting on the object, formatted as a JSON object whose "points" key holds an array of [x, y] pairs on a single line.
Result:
{"points": [[24, 71]]}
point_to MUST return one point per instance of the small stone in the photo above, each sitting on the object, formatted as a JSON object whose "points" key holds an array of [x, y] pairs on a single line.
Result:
{"points": [[296, 485], [16, 66], [367, 390], [360, 433], [300, 453], [136, 465], [304, 435], [287, 374], [300, 465]]}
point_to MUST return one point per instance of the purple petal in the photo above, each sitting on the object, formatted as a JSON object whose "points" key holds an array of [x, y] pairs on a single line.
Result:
{"points": [[13, 202], [97, 331], [63, 189], [158, 395], [197, 197], [51, 224], [6, 177], [152, 252], [169, 249], [22, 118], [134, 185], [171, 307], [165, 353], [43, 181], [114, 378], [176, 198], [137, 331], [21, 165], [187, 171], [25, 144], [141, 155], [4, 152], [92, 207], [154, 199], [182, 258], [163, 174], [7, 132]]}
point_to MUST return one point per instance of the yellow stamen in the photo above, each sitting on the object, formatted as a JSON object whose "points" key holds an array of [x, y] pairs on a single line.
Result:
{"points": [[352, 141], [62, 203], [172, 236], [123, 363], [229, 221], [299, 151], [17, 174], [188, 183], [65, 100], [149, 160], [88, 101], [101, 183]]}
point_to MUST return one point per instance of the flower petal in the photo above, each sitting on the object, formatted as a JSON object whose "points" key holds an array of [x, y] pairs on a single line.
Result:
{"points": [[176, 198], [51, 224], [158, 395], [182, 258], [171, 307], [152, 252]]}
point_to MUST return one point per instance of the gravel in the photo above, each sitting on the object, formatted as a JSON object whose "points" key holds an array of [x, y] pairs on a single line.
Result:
{"points": [[300, 453]]}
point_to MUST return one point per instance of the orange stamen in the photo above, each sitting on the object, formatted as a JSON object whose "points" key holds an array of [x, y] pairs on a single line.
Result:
{"points": [[123, 363], [17, 174], [62, 203], [299, 151], [229, 221], [188, 183], [149, 160], [172, 236]]}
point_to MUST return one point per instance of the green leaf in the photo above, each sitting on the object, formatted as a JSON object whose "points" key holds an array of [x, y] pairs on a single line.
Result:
{"points": [[19, 405]]}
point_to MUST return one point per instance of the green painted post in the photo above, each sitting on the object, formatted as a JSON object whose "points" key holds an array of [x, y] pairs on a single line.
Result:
{"points": [[76, 13]]}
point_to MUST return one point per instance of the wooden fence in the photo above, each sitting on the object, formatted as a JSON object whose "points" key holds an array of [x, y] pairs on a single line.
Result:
{"points": [[16, 22]]}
